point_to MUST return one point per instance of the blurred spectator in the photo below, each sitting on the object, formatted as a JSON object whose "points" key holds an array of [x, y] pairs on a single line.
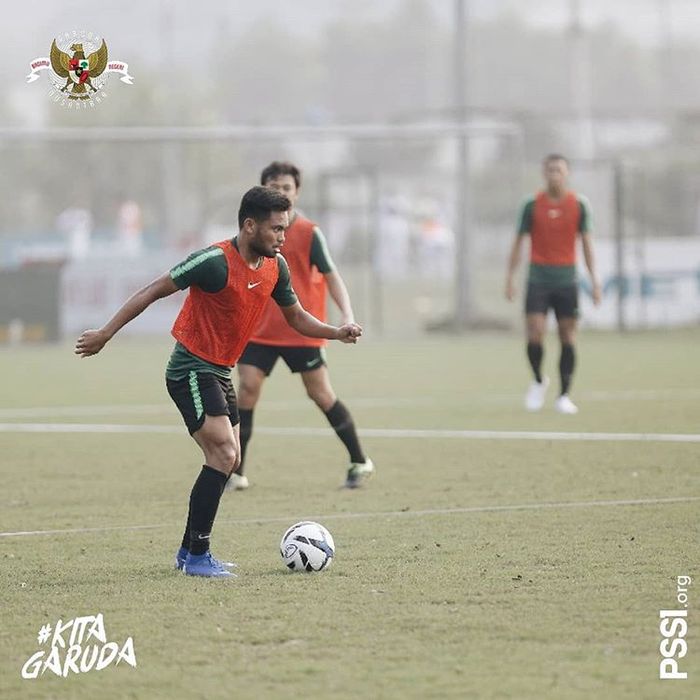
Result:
{"points": [[130, 228], [75, 225], [435, 241], [393, 237]]}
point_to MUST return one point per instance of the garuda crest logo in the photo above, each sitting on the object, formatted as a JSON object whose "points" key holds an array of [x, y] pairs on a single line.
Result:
{"points": [[78, 68]]}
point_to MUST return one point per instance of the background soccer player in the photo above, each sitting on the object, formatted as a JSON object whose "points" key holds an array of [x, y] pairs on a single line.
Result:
{"points": [[553, 219], [229, 285], [312, 272]]}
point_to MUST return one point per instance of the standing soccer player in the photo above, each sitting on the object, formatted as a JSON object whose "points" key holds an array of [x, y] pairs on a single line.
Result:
{"points": [[313, 272], [229, 285], [553, 219]]}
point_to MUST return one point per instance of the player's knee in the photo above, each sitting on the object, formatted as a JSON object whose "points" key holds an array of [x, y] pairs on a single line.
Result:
{"points": [[248, 392], [567, 335], [225, 455], [323, 398]]}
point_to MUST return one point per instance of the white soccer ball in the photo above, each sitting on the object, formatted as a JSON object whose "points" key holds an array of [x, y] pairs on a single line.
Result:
{"points": [[307, 546]]}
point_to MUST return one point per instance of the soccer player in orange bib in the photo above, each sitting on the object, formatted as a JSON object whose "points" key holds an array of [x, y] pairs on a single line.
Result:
{"points": [[229, 285], [553, 219], [313, 273]]}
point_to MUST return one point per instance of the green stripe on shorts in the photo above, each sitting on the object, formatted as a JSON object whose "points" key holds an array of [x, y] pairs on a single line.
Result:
{"points": [[196, 396]]}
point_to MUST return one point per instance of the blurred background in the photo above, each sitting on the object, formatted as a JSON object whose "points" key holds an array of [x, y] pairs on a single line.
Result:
{"points": [[420, 126]]}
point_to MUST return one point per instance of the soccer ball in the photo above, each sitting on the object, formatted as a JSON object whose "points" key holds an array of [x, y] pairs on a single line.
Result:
{"points": [[307, 546]]}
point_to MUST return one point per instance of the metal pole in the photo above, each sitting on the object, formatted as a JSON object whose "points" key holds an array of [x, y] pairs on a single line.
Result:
{"points": [[377, 291], [620, 246], [464, 302]]}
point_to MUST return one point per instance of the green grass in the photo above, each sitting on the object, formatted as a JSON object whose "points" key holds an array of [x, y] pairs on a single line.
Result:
{"points": [[558, 602]]}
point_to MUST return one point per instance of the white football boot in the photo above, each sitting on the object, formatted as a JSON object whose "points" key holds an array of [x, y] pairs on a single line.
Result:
{"points": [[534, 399], [358, 473], [237, 482], [565, 406]]}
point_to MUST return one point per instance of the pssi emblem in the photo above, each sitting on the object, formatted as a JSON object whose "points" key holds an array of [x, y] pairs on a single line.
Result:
{"points": [[78, 69]]}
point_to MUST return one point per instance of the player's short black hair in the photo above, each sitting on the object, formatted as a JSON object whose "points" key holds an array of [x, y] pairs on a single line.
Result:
{"points": [[280, 167], [550, 157], [259, 202]]}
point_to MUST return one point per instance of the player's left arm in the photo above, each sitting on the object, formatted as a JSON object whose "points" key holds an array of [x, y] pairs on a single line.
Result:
{"points": [[589, 259], [322, 260], [339, 294], [588, 256], [306, 324]]}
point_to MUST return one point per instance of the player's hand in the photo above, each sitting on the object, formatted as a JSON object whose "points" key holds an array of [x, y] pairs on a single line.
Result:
{"points": [[510, 289], [597, 293], [348, 333], [90, 342]]}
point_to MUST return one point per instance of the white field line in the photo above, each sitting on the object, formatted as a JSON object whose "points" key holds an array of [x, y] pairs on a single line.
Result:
{"points": [[367, 402], [68, 411], [145, 409], [391, 433], [379, 514]]}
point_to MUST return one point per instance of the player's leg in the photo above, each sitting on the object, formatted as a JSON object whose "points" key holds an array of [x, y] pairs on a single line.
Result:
{"points": [[536, 325], [256, 363], [201, 399], [250, 382], [218, 441], [536, 307], [566, 309], [319, 389]]}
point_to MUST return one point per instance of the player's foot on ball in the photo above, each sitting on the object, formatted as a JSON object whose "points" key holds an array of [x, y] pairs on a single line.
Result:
{"points": [[534, 399], [237, 482], [182, 555], [205, 565], [565, 405], [358, 473]]}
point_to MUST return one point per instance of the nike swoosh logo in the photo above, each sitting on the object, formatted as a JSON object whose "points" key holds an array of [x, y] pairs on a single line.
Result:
{"points": [[311, 363], [203, 537], [253, 284]]}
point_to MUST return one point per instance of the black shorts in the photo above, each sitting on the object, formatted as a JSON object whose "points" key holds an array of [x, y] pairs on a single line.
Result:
{"points": [[541, 298], [203, 394], [297, 358]]}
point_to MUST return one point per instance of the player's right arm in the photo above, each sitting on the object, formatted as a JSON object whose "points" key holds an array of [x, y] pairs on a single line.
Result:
{"points": [[92, 341], [513, 263], [206, 268], [524, 228]]}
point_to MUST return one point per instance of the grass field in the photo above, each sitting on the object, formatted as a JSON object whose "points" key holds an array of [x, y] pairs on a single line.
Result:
{"points": [[472, 566]]}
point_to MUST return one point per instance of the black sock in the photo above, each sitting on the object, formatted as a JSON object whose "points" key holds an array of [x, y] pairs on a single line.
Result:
{"points": [[246, 430], [204, 502], [567, 361], [341, 420], [534, 354]]}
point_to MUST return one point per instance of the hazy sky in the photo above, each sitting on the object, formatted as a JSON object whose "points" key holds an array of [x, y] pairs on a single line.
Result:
{"points": [[134, 28], [39, 18]]}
